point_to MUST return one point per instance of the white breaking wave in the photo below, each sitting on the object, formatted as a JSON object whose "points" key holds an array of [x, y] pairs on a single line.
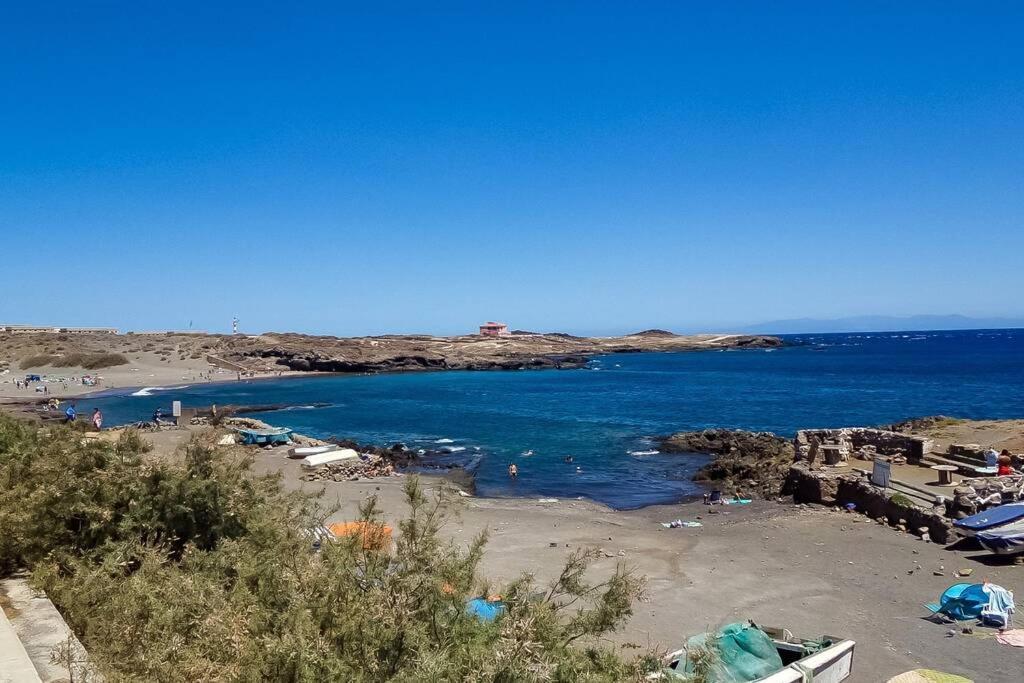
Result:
{"points": [[454, 449], [445, 441], [651, 452], [148, 391]]}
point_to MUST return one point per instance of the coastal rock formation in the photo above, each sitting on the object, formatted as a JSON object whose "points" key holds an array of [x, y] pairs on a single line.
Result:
{"points": [[392, 353], [457, 471], [273, 352], [746, 461], [915, 424]]}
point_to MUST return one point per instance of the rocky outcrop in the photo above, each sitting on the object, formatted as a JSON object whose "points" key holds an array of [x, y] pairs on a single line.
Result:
{"points": [[311, 361], [916, 424], [654, 333], [745, 461], [458, 471], [471, 352], [272, 352]]}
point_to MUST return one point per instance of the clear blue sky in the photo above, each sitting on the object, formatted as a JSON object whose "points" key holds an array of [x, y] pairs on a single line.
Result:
{"points": [[584, 167]]}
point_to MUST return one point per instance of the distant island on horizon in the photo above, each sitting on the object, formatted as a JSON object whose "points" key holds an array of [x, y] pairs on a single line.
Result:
{"points": [[881, 323]]}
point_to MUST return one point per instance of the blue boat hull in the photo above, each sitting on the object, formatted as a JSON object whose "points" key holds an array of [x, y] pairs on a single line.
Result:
{"points": [[1007, 540], [991, 519], [252, 437]]}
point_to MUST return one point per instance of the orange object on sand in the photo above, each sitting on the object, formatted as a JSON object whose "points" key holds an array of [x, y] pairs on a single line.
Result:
{"points": [[374, 536]]}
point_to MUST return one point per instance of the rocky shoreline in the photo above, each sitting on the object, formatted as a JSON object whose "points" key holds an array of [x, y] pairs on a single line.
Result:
{"points": [[274, 352], [522, 351], [382, 461], [744, 461]]}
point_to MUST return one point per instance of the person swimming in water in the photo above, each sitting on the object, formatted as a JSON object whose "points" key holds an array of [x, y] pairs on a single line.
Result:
{"points": [[513, 471]]}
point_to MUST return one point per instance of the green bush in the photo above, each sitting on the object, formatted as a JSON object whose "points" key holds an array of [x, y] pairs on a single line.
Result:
{"points": [[198, 570]]}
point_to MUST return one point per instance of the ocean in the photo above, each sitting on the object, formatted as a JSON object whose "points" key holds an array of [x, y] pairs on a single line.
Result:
{"points": [[605, 416]]}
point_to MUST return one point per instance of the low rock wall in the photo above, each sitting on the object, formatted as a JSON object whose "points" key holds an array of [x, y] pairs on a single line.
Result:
{"points": [[808, 486], [855, 438]]}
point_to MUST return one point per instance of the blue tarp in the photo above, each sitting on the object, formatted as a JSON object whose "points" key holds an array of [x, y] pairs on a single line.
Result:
{"points": [[261, 436], [961, 601], [484, 610], [994, 517], [1005, 540]]}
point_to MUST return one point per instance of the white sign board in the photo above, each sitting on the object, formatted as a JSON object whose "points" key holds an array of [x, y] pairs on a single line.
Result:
{"points": [[176, 408]]}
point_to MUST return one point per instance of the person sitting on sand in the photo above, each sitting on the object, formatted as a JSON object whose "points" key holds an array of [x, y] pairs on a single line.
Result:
{"points": [[97, 419], [513, 471]]}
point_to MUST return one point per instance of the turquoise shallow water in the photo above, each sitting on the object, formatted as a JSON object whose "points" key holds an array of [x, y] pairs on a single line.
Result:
{"points": [[604, 416]]}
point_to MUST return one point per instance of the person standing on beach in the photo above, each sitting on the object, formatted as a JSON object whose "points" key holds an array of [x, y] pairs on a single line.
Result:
{"points": [[97, 419], [69, 413]]}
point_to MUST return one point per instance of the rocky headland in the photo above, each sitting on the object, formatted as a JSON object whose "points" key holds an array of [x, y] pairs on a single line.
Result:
{"points": [[273, 352]]}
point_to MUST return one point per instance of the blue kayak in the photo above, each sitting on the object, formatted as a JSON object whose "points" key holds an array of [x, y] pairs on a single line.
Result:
{"points": [[992, 518]]}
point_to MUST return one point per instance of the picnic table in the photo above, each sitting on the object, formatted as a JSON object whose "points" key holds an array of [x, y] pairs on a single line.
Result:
{"points": [[945, 474]]}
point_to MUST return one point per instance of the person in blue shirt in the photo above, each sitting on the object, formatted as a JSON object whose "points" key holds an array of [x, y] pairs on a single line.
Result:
{"points": [[69, 413]]}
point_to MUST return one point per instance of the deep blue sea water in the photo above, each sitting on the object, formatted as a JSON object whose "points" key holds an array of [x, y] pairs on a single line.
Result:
{"points": [[604, 416]]}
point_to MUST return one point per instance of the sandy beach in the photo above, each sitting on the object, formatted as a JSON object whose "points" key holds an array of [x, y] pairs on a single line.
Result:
{"points": [[810, 569], [145, 369]]}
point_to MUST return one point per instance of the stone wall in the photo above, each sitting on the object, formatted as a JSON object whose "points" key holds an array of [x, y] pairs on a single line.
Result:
{"points": [[808, 486], [850, 439], [968, 450]]}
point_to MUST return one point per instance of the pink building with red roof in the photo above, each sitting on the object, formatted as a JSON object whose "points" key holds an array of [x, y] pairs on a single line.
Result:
{"points": [[494, 330]]}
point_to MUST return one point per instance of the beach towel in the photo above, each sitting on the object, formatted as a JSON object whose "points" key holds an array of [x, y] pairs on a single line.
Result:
{"points": [[680, 523], [1014, 637], [999, 609], [373, 536]]}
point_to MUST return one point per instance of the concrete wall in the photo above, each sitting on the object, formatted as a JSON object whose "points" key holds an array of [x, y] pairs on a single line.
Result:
{"points": [[42, 632]]}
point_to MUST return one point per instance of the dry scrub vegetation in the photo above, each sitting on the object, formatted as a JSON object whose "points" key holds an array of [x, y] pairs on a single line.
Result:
{"points": [[88, 361], [198, 570]]}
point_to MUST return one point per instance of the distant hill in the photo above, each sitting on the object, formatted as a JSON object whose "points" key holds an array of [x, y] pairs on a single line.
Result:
{"points": [[881, 323]]}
